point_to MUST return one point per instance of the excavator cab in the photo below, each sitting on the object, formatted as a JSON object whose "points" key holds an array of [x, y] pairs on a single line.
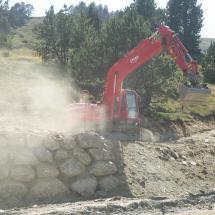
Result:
{"points": [[126, 109]]}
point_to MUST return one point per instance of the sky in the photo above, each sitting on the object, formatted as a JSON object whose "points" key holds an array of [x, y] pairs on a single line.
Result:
{"points": [[40, 7]]}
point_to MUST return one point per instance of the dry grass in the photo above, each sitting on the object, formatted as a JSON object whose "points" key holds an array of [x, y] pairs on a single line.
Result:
{"points": [[173, 111], [17, 55], [24, 36]]}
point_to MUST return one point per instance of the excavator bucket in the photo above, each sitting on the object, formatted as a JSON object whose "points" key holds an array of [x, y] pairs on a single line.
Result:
{"points": [[191, 95]]}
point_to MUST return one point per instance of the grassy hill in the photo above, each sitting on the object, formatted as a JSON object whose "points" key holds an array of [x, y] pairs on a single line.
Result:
{"points": [[24, 37]]}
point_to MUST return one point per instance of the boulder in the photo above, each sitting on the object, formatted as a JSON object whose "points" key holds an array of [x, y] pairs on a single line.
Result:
{"points": [[48, 189], [47, 171], [72, 167], [11, 189], [146, 135], [82, 156], [61, 155], [22, 157], [85, 186], [108, 183], [43, 155], [89, 140], [102, 168], [68, 143], [100, 154], [52, 142], [22, 173]]}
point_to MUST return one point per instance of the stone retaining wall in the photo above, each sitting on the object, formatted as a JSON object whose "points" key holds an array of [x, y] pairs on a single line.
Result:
{"points": [[40, 168]]}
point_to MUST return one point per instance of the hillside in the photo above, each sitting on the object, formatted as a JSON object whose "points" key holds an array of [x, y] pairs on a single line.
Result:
{"points": [[24, 37]]}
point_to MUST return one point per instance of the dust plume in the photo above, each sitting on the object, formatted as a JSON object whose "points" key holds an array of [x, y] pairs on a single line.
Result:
{"points": [[34, 96]]}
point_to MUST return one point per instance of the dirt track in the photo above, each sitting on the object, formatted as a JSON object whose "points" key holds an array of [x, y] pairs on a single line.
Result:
{"points": [[201, 204]]}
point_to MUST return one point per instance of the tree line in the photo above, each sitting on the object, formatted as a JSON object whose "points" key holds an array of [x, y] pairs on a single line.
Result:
{"points": [[11, 18], [88, 39]]}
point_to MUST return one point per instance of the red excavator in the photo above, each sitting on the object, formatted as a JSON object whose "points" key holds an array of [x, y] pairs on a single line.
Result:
{"points": [[122, 105]]}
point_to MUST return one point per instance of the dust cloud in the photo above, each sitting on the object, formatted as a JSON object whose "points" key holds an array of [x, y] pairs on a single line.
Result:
{"points": [[34, 97]]}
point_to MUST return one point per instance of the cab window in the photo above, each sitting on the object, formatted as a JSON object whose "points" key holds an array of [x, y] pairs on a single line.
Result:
{"points": [[132, 105]]}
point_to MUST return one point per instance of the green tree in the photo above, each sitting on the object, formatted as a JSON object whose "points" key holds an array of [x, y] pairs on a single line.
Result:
{"points": [[123, 32], [19, 13], [4, 23], [185, 17], [208, 65], [86, 55], [63, 37], [146, 8], [157, 80], [93, 16], [46, 33]]}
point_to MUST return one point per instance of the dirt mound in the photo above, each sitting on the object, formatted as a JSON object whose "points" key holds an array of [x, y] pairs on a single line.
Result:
{"points": [[170, 169]]}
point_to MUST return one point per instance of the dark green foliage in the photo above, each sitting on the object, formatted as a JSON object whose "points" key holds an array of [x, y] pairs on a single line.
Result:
{"points": [[185, 17], [16, 16], [55, 36], [157, 80], [208, 65], [123, 32], [46, 32], [93, 16], [146, 8], [19, 13], [86, 56], [4, 23]]}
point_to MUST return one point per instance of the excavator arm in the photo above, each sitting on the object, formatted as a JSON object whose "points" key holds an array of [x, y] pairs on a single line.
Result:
{"points": [[164, 38]]}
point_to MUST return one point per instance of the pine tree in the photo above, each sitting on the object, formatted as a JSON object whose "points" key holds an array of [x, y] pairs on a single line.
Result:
{"points": [[19, 13], [46, 32], [4, 23], [93, 16], [185, 17], [146, 8], [208, 65]]}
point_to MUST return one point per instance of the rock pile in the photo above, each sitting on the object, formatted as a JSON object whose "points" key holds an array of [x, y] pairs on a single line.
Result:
{"points": [[48, 168]]}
